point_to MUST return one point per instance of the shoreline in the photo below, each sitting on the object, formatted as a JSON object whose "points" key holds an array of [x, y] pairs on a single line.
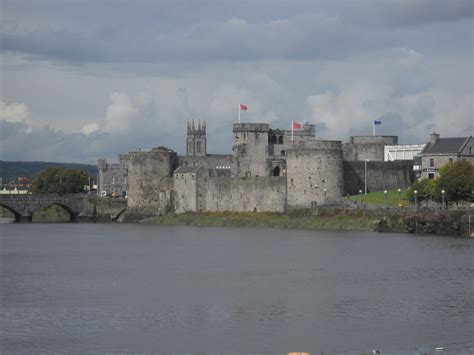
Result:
{"points": [[454, 223]]}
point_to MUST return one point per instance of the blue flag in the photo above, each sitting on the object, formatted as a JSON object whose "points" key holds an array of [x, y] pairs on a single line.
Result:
{"points": [[377, 122]]}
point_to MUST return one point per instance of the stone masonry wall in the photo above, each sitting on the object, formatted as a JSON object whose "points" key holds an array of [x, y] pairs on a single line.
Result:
{"points": [[250, 149], [380, 175], [150, 181], [185, 192], [367, 147], [262, 194], [310, 170]]}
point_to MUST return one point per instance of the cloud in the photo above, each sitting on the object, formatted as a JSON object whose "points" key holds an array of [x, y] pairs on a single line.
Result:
{"points": [[120, 113], [90, 128], [17, 113], [103, 80]]}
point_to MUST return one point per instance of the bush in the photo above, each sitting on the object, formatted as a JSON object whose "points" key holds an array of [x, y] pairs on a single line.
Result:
{"points": [[60, 180]]}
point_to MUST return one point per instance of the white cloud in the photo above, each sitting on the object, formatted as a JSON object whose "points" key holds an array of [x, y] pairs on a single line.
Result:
{"points": [[16, 113], [120, 113], [90, 128]]}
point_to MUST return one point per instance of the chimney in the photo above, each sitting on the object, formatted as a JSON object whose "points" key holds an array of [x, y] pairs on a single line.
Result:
{"points": [[434, 137]]}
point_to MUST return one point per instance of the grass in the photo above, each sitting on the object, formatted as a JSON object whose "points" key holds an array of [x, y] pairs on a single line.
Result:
{"points": [[378, 198], [266, 220]]}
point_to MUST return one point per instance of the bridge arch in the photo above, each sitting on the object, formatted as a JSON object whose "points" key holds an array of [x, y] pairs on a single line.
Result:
{"points": [[16, 214], [72, 214]]}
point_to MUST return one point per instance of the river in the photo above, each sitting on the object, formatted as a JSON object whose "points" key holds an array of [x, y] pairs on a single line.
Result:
{"points": [[93, 288]]}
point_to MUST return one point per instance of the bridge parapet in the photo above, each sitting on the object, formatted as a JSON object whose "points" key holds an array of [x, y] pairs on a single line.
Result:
{"points": [[79, 206]]}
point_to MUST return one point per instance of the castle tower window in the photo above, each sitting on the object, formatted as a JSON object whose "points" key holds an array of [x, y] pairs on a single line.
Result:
{"points": [[280, 140], [282, 152], [273, 140], [276, 171]]}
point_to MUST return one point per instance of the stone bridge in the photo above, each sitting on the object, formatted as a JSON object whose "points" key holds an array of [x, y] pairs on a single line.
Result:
{"points": [[81, 207]]}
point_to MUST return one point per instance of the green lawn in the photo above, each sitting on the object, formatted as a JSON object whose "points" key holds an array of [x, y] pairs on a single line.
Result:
{"points": [[378, 198]]}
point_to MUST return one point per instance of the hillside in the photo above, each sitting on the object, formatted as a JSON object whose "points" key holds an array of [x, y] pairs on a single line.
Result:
{"points": [[11, 170]]}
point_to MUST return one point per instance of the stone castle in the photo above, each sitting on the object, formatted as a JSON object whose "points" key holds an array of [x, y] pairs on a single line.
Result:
{"points": [[270, 170]]}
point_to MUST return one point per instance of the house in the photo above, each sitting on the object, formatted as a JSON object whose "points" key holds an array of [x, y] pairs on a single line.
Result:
{"points": [[441, 151]]}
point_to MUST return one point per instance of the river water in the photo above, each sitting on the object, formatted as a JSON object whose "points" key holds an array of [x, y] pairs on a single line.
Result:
{"points": [[93, 288]]}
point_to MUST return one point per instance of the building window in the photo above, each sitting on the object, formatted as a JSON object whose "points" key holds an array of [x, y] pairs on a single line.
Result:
{"points": [[198, 147], [431, 176], [451, 160], [280, 140], [276, 171], [470, 150], [431, 162]]}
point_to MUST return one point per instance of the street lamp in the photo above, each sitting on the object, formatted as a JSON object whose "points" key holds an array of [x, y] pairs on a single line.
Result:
{"points": [[325, 195], [365, 176], [416, 200], [442, 196], [399, 191], [360, 196], [385, 194]]}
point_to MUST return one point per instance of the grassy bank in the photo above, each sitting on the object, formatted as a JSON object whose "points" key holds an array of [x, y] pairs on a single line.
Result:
{"points": [[295, 220], [378, 198]]}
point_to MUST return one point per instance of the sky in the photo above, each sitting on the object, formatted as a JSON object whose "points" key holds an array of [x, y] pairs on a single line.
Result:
{"points": [[88, 79]]}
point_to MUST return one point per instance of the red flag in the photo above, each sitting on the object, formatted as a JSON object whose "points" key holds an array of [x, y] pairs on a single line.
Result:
{"points": [[243, 107], [296, 125]]}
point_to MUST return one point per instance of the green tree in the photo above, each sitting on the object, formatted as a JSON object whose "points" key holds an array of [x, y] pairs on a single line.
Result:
{"points": [[60, 180], [457, 180], [426, 190]]}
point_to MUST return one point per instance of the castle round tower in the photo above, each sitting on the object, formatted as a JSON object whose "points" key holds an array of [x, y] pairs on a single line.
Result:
{"points": [[314, 174]]}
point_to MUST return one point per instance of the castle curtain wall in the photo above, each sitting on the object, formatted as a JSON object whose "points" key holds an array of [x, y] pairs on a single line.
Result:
{"points": [[380, 175], [263, 194]]}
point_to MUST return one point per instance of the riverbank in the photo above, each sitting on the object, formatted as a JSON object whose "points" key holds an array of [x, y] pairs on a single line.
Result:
{"points": [[442, 222]]}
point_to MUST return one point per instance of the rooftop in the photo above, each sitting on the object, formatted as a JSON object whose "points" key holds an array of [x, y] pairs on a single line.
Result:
{"points": [[445, 145]]}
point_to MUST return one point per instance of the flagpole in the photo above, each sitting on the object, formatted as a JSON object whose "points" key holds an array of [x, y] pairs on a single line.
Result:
{"points": [[373, 128], [292, 130], [239, 113]]}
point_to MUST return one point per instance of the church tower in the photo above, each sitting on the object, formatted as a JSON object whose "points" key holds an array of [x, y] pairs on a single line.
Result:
{"points": [[196, 143]]}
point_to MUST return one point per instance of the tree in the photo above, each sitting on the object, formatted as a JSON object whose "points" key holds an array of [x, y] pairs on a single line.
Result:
{"points": [[60, 180], [457, 180], [426, 190]]}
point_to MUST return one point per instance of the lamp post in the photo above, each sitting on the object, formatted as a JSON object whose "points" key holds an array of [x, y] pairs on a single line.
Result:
{"points": [[325, 195], [399, 192], [416, 200], [386, 202], [442, 196], [365, 176]]}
